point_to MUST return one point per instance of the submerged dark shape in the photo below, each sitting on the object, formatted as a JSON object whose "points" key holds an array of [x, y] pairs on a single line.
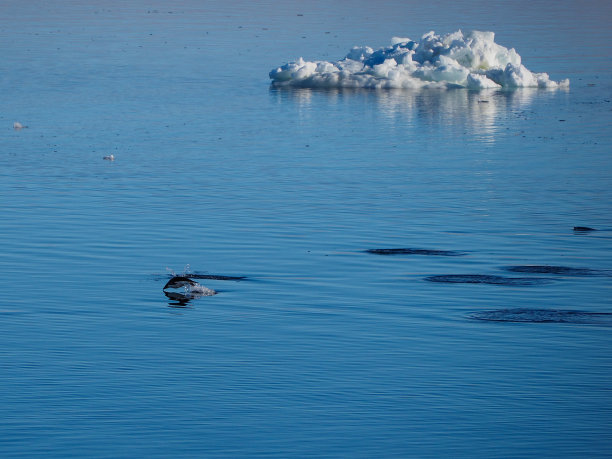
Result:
{"points": [[217, 277], [544, 316], [545, 269], [179, 281], [487, 279], [405, 251], [583, 229]]}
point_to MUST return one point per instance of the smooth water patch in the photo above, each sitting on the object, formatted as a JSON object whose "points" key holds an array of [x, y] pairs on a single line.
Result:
{"points": [[544, 316]]}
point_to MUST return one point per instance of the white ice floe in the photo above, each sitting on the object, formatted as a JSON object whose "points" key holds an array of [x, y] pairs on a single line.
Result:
{"points": [[17, 125], [471, 61]]}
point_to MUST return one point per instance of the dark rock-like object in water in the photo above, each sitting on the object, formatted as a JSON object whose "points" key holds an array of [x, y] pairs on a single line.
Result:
{"points": [[486, 279], [583, 229], [545, 269], [443, 253], [544, 316], [179, 281]]}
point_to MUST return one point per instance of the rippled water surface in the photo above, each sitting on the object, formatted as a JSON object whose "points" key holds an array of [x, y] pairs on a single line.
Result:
{"points": [[317, 217]]}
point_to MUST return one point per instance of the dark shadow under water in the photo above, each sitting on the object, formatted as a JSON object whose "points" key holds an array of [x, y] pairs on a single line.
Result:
{"points": [[487, 279], [559, 270], [216, 277], [583, 229], [406, 251], [527, 315]]}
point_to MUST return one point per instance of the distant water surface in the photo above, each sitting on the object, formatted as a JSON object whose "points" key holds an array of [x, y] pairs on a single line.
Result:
{"points": [[313, 346]]}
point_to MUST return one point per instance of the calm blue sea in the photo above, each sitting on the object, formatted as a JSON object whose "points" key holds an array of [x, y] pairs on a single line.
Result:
{"points": [[323, 349]]}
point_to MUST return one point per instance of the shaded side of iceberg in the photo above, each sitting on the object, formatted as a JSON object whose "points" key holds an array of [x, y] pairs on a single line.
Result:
{"points": [[471, 61]]}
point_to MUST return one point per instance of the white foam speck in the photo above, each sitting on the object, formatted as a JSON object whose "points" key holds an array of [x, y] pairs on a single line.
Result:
{"points": [[471, 61]]}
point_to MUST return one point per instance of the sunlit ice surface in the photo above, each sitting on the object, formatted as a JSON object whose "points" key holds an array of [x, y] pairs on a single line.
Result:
{"points": [[471, 61]]}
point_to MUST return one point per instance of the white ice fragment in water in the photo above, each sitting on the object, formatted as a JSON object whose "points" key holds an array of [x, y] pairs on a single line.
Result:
{"points": [[472, 61], [17, 125], [109, 157]]}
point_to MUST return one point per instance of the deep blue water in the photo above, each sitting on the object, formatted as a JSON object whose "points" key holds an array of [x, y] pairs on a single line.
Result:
{"points": [[324, 349]]}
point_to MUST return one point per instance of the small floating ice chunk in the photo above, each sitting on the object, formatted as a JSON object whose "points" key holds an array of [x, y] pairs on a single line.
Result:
{"points": [[109, 157], [17, 125], [472, 61]]}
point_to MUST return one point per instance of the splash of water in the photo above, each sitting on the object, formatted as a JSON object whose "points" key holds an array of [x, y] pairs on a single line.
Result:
{"points": [[184, 273], [191, 291], [198, 290]]}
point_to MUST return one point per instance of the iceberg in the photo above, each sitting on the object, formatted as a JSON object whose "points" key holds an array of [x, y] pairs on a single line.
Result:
{"points": [[472, 61]]}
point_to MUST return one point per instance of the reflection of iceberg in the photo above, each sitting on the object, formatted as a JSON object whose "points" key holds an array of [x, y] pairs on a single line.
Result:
{"points": [[472, 61], [477, 111]]}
